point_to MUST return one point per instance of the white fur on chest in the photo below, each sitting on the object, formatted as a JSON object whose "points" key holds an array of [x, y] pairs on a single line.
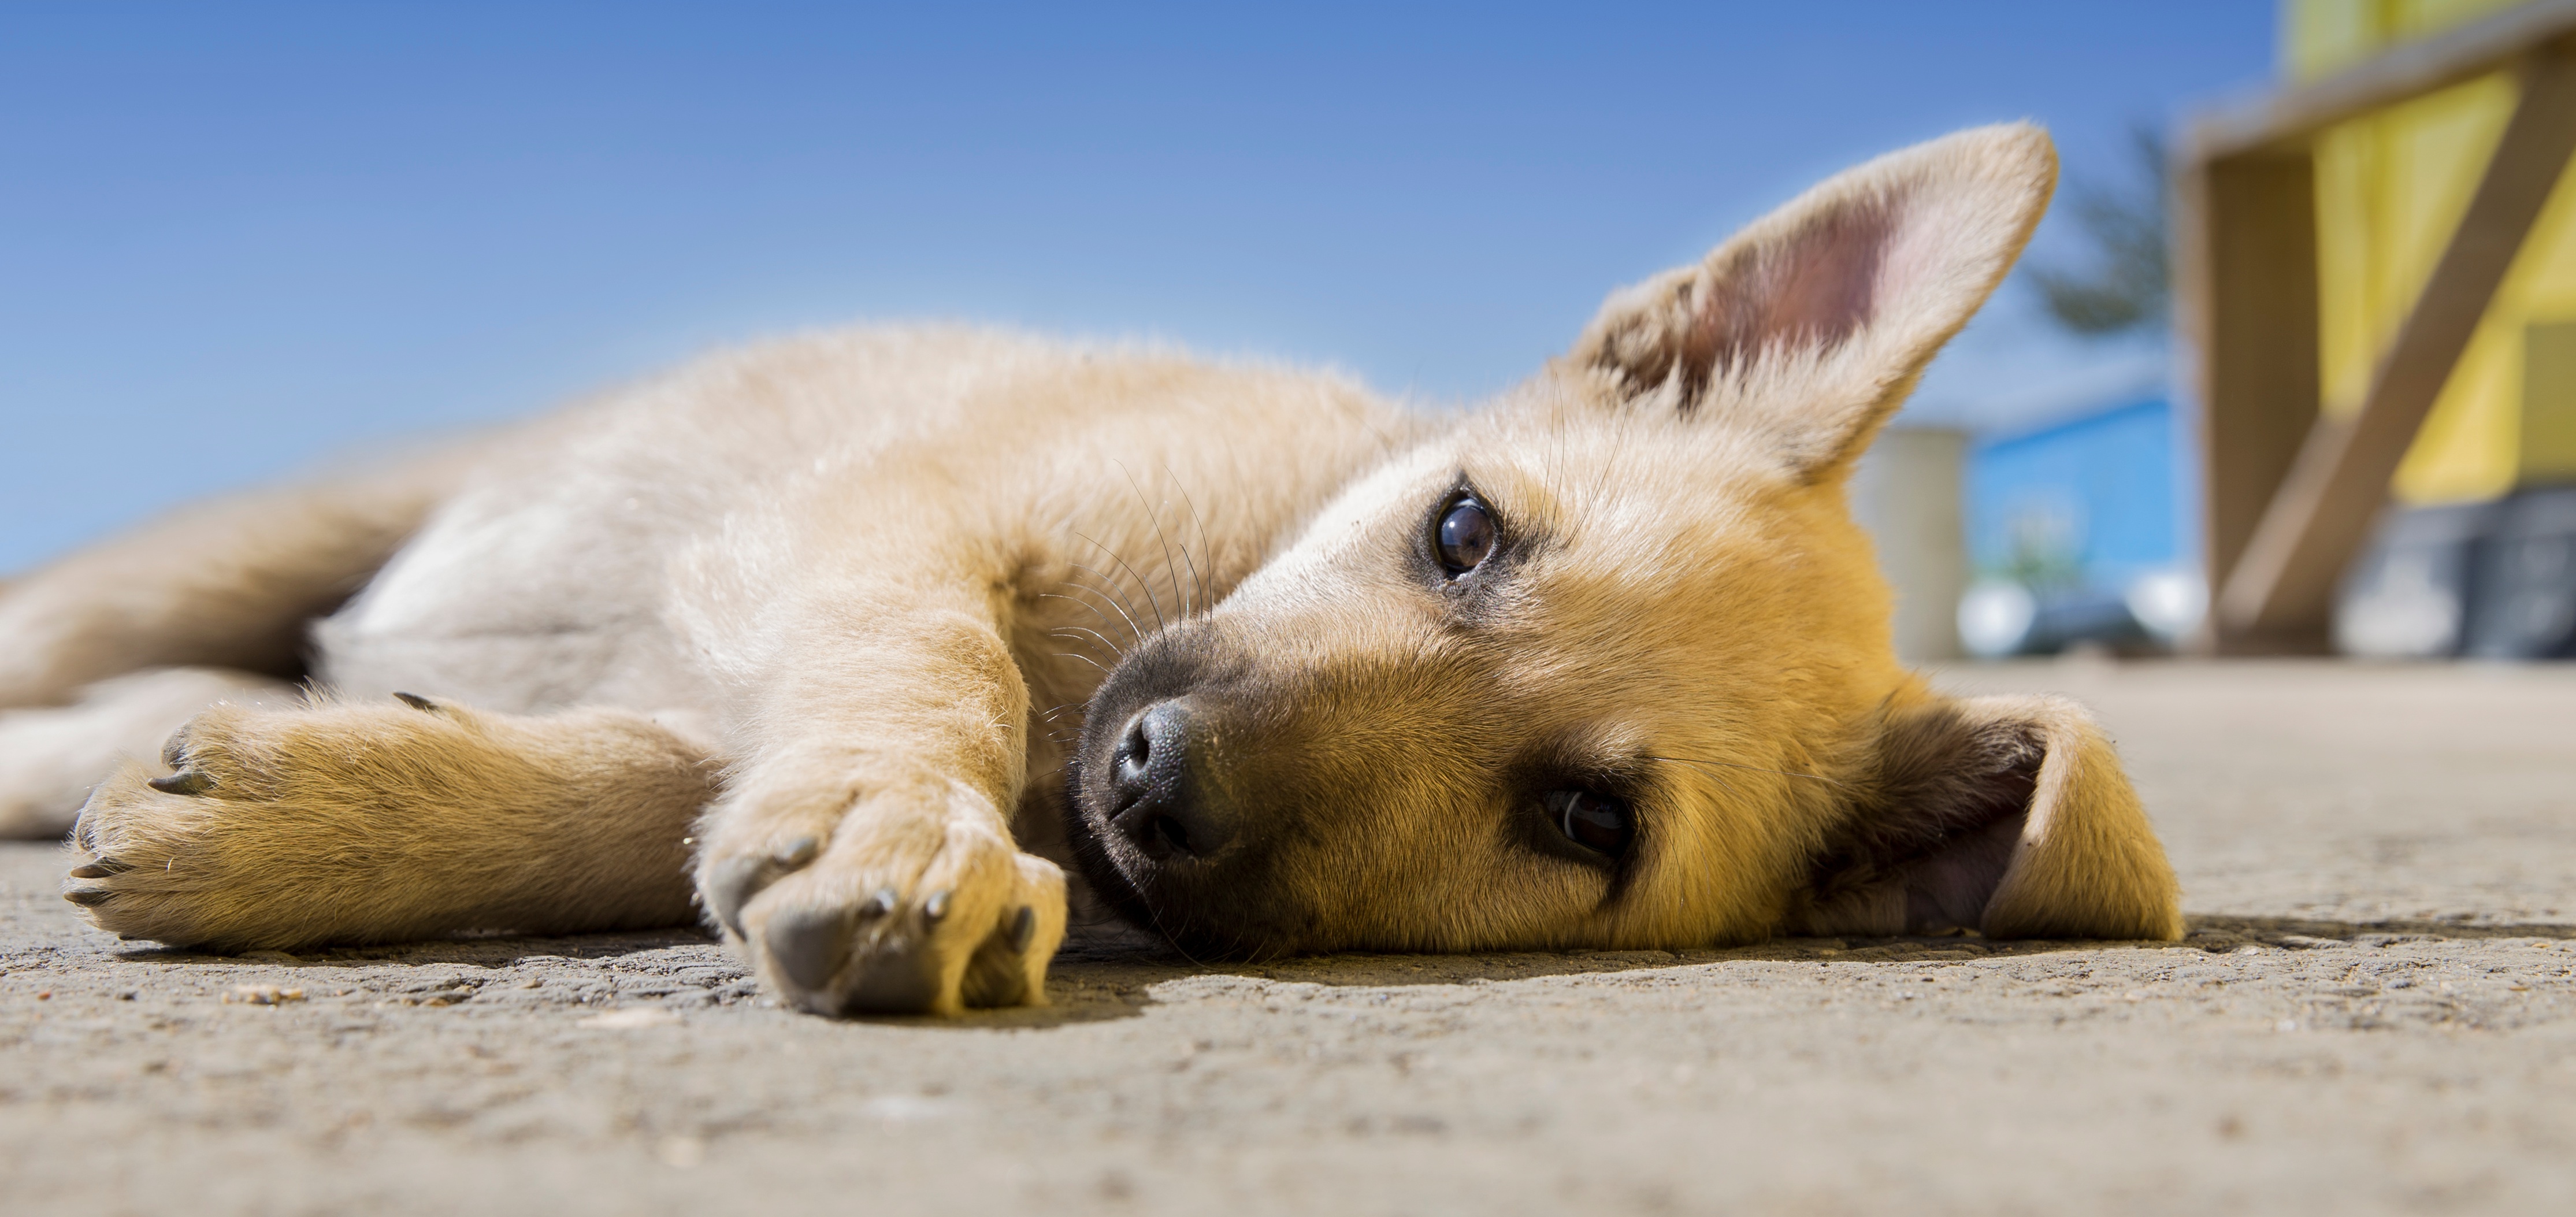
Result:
{"points": [[524, 604]]}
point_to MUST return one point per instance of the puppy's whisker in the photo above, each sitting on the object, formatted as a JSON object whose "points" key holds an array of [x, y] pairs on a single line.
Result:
{"points": [[1152, 602], [1099, 584], [1176, 943], [1170, 570], [1092, 608], [1206, 601], [1195, 591], [1156, 916], [1114, 648], [1077, 584], [1084, 658], [1141, 583], [1116, 596]]}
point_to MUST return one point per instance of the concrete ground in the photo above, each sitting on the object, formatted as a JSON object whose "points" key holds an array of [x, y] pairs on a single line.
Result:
{"points": [[2375, 1012]]}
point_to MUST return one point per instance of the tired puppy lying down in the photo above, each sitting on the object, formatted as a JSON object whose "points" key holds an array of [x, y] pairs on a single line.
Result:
{"points": [[851, 643]]}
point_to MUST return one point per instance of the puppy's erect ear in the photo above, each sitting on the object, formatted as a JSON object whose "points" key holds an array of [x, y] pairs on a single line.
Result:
{"points": [[1810, 326], [2005, 815]]}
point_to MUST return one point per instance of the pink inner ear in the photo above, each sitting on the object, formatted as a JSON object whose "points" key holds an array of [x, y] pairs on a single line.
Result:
{"points": [[1812, 290]]}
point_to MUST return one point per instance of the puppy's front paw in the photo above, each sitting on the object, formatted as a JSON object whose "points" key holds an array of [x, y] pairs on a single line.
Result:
{"points": [[900, 910]]}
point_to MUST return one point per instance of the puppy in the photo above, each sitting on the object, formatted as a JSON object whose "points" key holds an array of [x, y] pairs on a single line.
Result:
{"points": [[851, 644]]}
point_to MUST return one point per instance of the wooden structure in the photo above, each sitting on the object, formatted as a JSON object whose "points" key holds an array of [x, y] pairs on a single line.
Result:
{"points": [[2291, 493]]}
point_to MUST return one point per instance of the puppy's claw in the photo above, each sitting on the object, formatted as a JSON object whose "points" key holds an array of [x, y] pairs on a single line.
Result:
{"points": [[935, 908], [797, 852], [186, 781], [809, 946], [100, 869], [998, 974], [731, 884], [89, 897], [417, 702], [878, 905]]}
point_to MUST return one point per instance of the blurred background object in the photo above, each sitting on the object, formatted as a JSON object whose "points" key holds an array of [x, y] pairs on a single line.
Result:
{"points": [[2377, 284], [1906, 493], [2378, 279]]}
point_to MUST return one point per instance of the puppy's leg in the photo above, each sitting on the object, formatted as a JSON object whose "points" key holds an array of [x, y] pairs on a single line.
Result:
{"points": [[348, 823], [229, 583], [862, 856], [51, 758]]}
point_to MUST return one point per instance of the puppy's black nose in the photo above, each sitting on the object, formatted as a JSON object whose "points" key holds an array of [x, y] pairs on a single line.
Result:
{"points": [[1163, 806]]}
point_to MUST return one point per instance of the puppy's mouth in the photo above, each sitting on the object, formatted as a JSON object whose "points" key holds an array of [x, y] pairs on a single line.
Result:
{"points": [[1157, 820], [1136, 841]]}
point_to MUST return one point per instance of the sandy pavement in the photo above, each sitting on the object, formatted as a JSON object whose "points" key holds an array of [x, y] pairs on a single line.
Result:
{"points": [[2375, 1012]]}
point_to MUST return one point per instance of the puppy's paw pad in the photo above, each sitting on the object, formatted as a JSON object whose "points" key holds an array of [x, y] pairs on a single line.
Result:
{"points": [[865, 928]]}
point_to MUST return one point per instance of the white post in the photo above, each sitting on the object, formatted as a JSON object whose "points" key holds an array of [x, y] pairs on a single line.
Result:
{"points": [[1906, 493]]}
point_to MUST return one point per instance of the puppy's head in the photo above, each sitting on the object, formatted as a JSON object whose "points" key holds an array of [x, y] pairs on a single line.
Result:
{"points": [[1608, 664]]}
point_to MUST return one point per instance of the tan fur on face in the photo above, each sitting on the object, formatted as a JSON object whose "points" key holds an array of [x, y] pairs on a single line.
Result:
{"points": [[1684, 611], [834, 606]]}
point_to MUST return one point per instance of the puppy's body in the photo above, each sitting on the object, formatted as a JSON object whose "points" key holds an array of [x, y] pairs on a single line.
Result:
{"points": [[840, 602], [636, 553]]}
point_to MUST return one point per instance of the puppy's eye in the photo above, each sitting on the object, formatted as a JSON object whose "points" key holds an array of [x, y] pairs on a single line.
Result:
{"points": [[1465, 537], [1593, 821]]}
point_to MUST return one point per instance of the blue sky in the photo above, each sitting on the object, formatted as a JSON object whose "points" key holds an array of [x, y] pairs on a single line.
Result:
{"points": [[237, 239]]}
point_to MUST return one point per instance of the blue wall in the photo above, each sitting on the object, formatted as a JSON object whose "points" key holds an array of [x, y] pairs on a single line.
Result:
{"points": [[2095, 500]]}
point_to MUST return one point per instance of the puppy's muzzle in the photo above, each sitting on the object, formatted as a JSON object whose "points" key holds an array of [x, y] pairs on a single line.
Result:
{"points": [[1159, 790]]}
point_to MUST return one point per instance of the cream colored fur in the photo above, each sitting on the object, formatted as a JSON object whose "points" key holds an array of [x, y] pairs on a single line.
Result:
{"points": [[829, 608], [50, 756]]}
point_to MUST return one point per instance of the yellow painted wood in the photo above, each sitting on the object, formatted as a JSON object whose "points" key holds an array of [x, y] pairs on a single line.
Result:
{"points": [[2390, 188], [2548, 425]]}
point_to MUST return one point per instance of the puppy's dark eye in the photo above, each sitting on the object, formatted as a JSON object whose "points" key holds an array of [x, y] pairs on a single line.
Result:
{"points": [[1593, 821], [1466, 536]]}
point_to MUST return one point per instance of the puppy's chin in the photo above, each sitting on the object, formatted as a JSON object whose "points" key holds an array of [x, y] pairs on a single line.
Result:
{"points": [[1086, 834], [1128, 882], [1233, 908], [1173, 895]]}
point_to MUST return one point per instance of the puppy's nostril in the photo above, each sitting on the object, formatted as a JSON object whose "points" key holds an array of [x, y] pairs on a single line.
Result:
{"points": [[1135, 754], [1150, 756], [1158, 796]]}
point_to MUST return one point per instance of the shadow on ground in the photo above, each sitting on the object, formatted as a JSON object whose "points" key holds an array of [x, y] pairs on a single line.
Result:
{"points": [[1095, 982]]}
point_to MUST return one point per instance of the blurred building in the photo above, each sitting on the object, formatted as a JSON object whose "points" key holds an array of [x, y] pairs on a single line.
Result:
{"points": [[2077, 532], [2040, 533], [2391, 188], [2378, 269], [2088, 500]]}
